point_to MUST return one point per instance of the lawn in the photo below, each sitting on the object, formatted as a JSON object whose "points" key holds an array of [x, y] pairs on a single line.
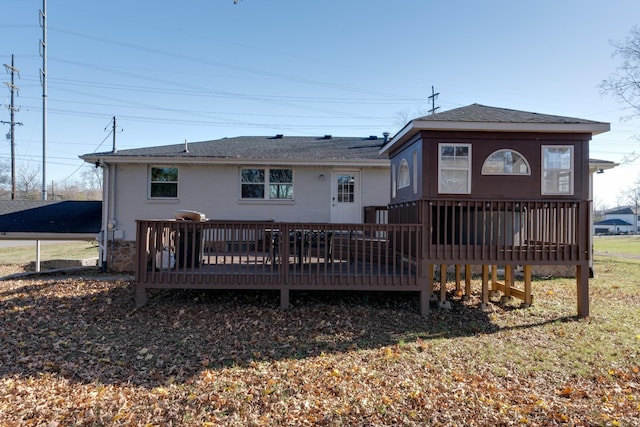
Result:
{"points": [[624, 245], [48, 250], [76, 351]]}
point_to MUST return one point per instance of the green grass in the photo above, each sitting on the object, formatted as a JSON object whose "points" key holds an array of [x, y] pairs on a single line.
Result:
{"points": [[623, 245], [48, 251]]}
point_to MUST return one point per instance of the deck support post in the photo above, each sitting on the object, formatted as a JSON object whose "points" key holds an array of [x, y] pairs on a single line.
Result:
{"points": [[141, 295], [284, 298], [495, 293], [425, 283], [467, 283], [444, 304], [485, 287], [528, 299], [582, 283], [458, 287], [508, 283], [443, 282], [430, 275]]}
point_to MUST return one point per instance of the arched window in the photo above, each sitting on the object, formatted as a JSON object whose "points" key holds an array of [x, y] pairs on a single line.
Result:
{"points": [[404, 175], [506, 162]]}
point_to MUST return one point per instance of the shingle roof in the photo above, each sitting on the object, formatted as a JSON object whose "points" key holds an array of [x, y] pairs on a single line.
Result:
{"points": [[32, 216], [481, 118], [484, 114], [614, 221], [293, 148], [620, 211]]}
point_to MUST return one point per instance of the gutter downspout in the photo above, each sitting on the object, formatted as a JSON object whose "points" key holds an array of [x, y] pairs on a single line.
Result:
{"points": [[105, 216], [112, 224], [591, 216]]}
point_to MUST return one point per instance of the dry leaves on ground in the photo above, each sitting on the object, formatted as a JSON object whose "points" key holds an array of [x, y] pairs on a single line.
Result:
{"points": [[77, 352]]}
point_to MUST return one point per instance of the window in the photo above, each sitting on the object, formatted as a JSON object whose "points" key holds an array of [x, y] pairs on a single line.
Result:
{"points": [[271, 184], [404, 177], [163, 182], [454, 168], [506, 162], [557, 169], [346, 189]]}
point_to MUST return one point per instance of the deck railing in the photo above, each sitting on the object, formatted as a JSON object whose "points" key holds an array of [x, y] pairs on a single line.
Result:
{"points": [[372, 256], [503, 232], [273, 255]]}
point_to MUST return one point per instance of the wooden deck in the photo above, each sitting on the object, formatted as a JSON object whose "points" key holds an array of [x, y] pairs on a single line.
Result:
{"points": [[283, 256], [382, 257]]}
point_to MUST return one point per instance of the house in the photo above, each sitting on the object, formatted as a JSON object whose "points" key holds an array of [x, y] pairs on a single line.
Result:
{"points": [[476, 186], [497, 186], [618, 221], [276, 178]]}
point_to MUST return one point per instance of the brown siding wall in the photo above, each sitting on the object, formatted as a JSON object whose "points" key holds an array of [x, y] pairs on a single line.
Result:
{"points": [[408, 194], [505, 187]]}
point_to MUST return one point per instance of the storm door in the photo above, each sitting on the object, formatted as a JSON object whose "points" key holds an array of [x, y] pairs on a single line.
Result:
{"points": [[346, 203]]}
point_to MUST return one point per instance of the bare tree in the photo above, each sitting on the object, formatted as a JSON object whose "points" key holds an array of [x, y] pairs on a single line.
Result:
{"points": [[632, 199], [624, 83], [403, 117], [92, 178], [87, 187], [5, 179], [27, 182]]}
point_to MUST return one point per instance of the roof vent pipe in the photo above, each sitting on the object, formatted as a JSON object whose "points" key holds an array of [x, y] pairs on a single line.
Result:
{"points": [[186, 146], [386, 136]]}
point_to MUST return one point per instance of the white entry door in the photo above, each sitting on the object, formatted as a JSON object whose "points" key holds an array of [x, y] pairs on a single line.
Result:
{"points": [[346, 203]]}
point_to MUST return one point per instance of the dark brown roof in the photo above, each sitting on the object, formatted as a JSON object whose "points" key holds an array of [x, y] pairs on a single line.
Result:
{"points": [[484, 114], [282, 148], [481, 118]]}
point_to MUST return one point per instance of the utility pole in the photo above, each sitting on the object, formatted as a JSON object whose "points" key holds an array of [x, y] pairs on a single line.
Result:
{"points": [[433, 97], [113, 131], [43, 77], [12, 123]]}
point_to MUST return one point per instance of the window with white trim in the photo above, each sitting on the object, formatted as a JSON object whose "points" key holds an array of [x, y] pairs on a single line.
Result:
{"points": [[163, 182], [454, 168], [266, 184], [506, 162], [557, 169], [404, 177]]}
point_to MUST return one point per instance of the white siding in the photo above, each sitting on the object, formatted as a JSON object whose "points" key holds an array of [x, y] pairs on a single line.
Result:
{"points": [[214, 190], [376, 187], [624, 217]]}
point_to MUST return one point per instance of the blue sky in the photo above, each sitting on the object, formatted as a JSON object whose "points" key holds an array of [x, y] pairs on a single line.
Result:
{"points": [[207, 69]]}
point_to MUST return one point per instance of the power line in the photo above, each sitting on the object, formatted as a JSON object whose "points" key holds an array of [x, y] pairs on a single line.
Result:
{"points": [[223, 65]]}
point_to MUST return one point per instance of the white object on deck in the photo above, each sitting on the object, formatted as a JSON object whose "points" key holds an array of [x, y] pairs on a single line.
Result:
{"points": [[190, 215]]}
